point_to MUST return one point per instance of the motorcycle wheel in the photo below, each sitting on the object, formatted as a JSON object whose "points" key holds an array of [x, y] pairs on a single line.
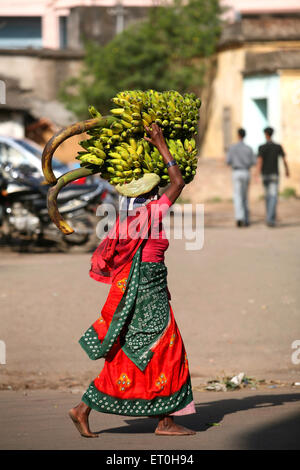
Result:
{"points": [[83, 239]]}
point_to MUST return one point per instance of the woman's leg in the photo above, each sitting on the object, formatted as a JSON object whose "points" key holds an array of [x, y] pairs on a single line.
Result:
{"points": [[167, 427], [80, 417]]}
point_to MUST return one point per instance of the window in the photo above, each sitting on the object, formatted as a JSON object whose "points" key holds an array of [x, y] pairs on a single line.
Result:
{"points": [[31, 148], [63, 32], [20, 32], [10, 155]]}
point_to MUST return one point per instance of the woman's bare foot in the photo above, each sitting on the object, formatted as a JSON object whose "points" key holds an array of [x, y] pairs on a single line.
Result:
{"points": [[167, 427], [80, 417]]}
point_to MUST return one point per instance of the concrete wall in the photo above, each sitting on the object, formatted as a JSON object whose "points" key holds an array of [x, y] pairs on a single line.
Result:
{"points": [[97, 24], [40, 72]]}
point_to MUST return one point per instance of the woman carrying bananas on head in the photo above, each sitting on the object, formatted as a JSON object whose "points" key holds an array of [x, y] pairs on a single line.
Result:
{"points": [[146, 370]]}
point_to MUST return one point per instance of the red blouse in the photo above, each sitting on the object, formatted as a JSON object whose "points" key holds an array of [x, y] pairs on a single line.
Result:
{"points": [[153, 249]]}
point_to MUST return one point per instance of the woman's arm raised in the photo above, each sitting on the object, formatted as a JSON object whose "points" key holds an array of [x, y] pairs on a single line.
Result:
{"points": [[177, 184]]}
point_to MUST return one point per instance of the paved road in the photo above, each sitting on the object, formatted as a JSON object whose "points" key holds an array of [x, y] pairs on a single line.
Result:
{"points": [[245, 420], [237, 303]]}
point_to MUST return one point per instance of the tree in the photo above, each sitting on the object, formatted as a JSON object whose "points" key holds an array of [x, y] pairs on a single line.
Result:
{"points": [[161, 52]]}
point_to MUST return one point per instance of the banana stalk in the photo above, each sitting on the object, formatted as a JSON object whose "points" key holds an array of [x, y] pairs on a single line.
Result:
{"points": [[62, 135], [62, 181]]}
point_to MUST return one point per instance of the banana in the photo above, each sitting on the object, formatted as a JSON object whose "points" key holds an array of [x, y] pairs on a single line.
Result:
{"points": [[121, 150], [117, 111], [115, 155], [114, 161], [127, 117], [147, 119], [93, 112], [136, 116], [107, 132], [133, 144], [126, 124], [140, 149], [132, 153], [99, 153], [115, 180], [89, 158], [98, 144], [115, 138], [117, 127]]}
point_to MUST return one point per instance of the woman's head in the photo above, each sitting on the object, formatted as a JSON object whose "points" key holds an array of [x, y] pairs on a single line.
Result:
{"points": [[151, 194], [130, 203]]}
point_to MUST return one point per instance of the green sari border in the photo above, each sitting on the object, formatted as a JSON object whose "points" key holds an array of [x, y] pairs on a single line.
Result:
{"points": [[91, 344], [138, 407], [90, 341]]}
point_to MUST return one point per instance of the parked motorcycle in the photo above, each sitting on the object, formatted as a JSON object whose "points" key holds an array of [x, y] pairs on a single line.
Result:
{"points": [[24, 219]]}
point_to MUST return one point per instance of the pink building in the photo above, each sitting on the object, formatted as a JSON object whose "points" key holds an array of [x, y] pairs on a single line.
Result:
{"points": [[43, 23]]}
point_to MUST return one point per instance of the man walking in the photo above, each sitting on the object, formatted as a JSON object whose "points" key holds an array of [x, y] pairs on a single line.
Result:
{"points": [[267, 165], [240, 157]]}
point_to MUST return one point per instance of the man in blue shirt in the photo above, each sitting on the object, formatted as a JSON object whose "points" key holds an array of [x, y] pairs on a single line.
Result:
{"points": [[240, 157]]}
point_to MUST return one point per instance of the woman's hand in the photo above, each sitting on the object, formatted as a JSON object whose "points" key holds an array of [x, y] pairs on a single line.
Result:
{"points": [[156, 137]]}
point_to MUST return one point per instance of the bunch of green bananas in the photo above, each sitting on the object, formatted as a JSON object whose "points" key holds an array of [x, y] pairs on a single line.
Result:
{"points": [[121, 153], [176, 114]]}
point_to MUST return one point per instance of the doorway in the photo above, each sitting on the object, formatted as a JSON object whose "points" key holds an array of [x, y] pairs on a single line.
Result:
{"points": [[261, 108]]}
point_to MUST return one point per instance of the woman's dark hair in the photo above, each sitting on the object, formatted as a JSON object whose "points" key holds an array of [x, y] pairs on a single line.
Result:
{"points": [[151, 193], [144, 197]]}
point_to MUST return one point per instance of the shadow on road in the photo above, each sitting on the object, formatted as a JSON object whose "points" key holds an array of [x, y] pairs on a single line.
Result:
{"points": [[283, 434]]}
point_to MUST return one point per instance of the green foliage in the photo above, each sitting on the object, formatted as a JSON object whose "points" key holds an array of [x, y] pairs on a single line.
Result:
{"points": [[160, 52], [288, 192]]}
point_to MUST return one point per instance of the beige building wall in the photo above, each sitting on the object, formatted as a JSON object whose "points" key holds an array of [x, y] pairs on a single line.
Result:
{"points": [[290, 110], [213, 179], [290, 121], [227, 91]]}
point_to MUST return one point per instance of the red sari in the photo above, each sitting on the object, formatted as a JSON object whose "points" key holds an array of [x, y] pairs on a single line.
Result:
{"points": [[146, 369]]}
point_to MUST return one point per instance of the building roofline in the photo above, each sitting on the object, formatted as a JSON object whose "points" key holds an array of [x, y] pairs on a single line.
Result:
{"points": [[45, 53]]}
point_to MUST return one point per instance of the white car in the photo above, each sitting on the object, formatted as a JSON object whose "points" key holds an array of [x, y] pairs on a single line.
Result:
{"points": [[16, 152]]}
